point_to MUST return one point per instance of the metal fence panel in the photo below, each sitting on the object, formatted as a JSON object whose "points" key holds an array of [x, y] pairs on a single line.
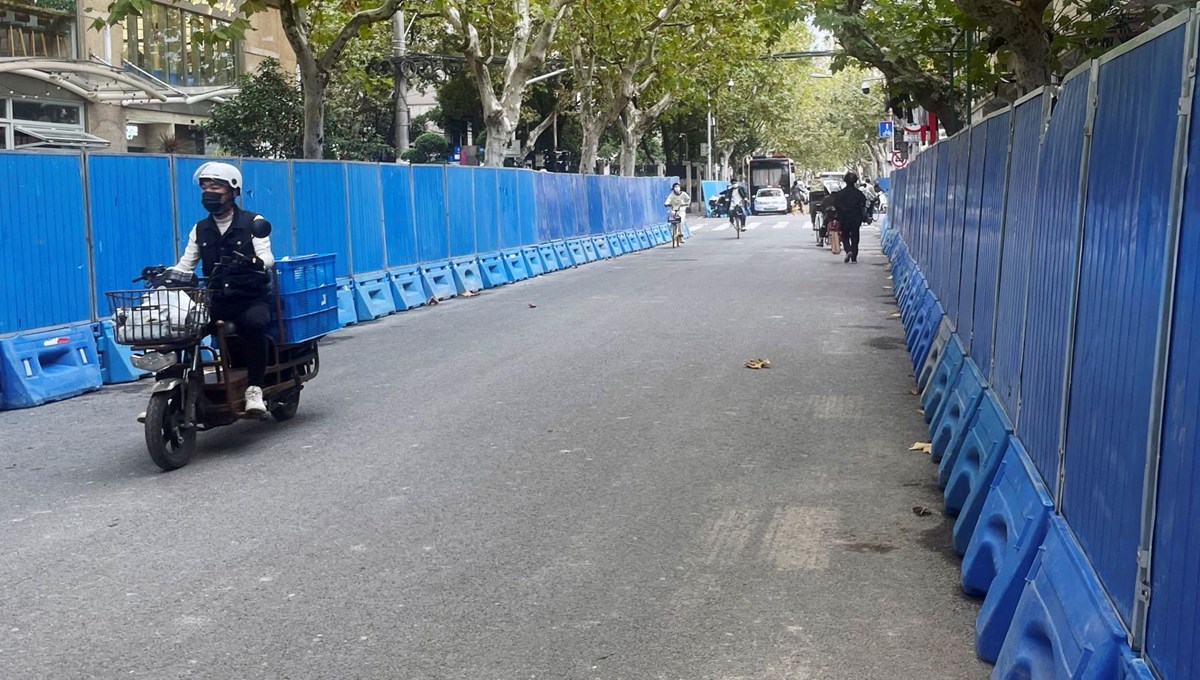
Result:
{"points": [[578, 214], [365, 198], [43, 243], [398, 223], [991, 238], [268, 192], [429, 217], [131, 228], [937, 269], [958, 209], [1173, 630], [460, 204], [1019, 235], [965, 310], [510, 220], [487, 210], [596, 204], [1119, 298], [319, 194], [1052, 282], [527, 208]]}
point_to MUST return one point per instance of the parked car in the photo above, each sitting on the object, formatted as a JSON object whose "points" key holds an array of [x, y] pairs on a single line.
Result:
{"points": [[770, 200]]}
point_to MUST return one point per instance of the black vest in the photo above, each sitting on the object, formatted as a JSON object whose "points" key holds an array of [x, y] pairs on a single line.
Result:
{"points": [[214, 247]]}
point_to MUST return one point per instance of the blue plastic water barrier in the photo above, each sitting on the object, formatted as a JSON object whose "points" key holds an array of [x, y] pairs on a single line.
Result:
{"points": [[466, 275], [982, 412], [533, 261], [564, 254], [347, 313], [950, 422], [934, 356], [664, 234], [1012, 526], [971, 477], [116, 365], [602, 250], [1064, 627], [514, 262], [36, 368], [578, 254], [373, 296], [938, 386], [644, 238], [926, 331], [589, 249], [407, 289], [438, 280], [493, 270], [626, 245], [549, 257], [614, 245], [1133, 668]]}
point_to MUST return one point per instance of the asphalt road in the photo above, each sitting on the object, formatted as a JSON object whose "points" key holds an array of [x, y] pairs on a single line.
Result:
{"points": [[594, 487]]}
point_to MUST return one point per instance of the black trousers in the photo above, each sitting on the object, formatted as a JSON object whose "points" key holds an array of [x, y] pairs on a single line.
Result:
{"points": [[250, 317], [850, 233]]}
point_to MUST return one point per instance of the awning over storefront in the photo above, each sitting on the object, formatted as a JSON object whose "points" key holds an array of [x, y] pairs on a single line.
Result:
{"points": [[99, 82], [59, 137]]}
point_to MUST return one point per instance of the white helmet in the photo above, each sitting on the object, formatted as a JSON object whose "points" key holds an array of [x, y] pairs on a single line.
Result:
{"points": [[220, 171]]}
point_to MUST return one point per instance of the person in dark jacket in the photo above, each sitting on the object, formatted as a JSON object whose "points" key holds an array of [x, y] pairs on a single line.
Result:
{"points": [[235, 261], [851, 206]]}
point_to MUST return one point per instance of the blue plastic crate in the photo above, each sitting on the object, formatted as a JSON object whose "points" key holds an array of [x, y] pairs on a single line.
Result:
{"points": [[305, 272], [310, 326], [305, 302]]}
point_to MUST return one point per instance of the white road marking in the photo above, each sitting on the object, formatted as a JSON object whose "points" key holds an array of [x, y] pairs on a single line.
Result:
{"points": [[780, 225], [751, 225], [722, 227]]}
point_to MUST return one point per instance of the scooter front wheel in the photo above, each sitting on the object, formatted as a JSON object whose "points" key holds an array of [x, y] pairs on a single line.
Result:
{"points": [[170, 443]]}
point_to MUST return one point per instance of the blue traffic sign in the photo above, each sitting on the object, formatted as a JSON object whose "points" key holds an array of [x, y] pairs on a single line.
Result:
{"points": [[885, 128]]}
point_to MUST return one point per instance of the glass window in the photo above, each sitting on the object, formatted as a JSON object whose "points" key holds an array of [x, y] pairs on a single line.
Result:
{"points": [[37, 28], [41, 112], [166, 42], [3, 136]]}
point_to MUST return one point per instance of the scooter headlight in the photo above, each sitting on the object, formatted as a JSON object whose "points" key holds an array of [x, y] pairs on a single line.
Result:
{"points": [[155, 361]]}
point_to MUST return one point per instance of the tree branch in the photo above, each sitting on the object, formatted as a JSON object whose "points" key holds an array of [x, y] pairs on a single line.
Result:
{"points": [[368, 16]]}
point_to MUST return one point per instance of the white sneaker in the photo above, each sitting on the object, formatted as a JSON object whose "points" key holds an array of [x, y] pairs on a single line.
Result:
{"points": [[254, 401]]}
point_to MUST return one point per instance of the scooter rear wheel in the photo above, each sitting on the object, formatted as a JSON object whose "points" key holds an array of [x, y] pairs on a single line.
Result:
{"points": [[170, 444]]}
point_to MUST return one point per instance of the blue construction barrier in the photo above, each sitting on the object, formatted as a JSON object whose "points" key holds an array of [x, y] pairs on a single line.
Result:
{"points": [[949, 424], [563, 253], [408, 291], [602, 250], [515, 265], [589, 249], [1012, 527], [1064, 626], [533, 261], [614, 245], [373, 296], [974, 468], [644, 238], [467, 277], [36, 368], [549, 258], [575, 249], [626, 245], [116, 361], [347, 307], [438, 280], [493, 271], [933, 357]]}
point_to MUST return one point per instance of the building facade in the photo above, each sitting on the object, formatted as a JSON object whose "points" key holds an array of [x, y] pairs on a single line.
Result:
{"points": [[143, 86]]}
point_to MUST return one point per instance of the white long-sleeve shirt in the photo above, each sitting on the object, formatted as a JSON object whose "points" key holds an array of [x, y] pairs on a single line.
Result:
{"points": [[191, 254]]}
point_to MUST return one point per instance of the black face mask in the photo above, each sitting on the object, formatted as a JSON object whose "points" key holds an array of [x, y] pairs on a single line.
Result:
{"points": [[214, 202]]}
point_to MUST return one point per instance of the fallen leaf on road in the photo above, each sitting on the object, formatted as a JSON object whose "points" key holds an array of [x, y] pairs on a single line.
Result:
{"points": [[532, 306], [469, 294], [895, 315], [921, 511], [758, 363], [923, 447], [889, 278], [921, 411], [432, 301], [913, 392]]}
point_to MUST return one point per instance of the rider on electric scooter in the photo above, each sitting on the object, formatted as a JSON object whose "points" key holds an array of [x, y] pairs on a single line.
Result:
{"points": [[236, 264]]}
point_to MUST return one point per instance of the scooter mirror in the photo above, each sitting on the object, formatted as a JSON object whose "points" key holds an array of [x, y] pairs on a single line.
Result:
{"points": [[261, 228]]}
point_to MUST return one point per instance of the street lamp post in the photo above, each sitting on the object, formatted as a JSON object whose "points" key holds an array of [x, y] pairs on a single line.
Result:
{"points": [[399, 49]]}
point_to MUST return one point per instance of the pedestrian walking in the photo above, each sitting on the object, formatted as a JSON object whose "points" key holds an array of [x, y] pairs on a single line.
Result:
{"points": [[851, 207]]}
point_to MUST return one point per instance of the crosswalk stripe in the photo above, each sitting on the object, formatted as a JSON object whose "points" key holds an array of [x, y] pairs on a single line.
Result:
{"points": [[780, 225], [695, 227], [751, 225], [722, 227]]}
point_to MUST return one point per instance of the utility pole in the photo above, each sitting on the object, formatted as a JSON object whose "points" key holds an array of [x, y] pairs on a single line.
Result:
{"points": [[399, 49], [709, 170]]}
